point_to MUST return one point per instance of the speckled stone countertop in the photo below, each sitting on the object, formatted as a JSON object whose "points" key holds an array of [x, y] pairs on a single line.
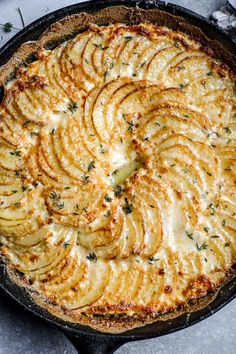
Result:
{"points": [[21, 333]]}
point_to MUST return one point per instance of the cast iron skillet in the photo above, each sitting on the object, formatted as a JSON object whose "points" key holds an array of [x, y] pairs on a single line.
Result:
{"points": [[84, 339]]}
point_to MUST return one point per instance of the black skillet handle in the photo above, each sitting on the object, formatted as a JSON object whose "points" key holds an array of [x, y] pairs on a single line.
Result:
{"points": [[93, 344]]}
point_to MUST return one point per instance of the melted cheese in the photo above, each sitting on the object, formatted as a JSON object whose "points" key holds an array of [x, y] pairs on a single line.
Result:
{"points": [[117, 172]]}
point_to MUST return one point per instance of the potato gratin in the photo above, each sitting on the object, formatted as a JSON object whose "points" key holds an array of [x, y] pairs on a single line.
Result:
{"points": [[117, 175]]}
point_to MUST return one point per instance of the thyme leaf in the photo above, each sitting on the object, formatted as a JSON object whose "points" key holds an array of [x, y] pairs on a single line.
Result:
{"points": [[101, 46], [212, 208], [85, 178], [201, 247], [72, 107], [131, 126], [32, 134], [181, 86], [190, 235], [102, 150], [7, 27], [92, 257], [114, 173], [15, 153], [21, 17], [152, 260], [227, 130], [128, 38], [108, 198], [118, 190], [66, 244], [56, 200], [180, 67], [127, 207], [91, 166]]}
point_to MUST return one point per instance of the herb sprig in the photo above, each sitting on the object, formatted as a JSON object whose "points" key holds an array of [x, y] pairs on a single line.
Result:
{"points": [[91, 166], [92, 257], [204, 246], [118, 190], [127, 207], [8, 26], [72, 107], [56, 200]]}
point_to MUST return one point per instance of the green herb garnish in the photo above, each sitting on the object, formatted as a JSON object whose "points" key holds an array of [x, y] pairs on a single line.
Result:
{"points": [[56, 199], [66, 244], [7, 27], [108, 213], [72, 107], [127, 207], [100, 46], [108, 199], [131, 126], [21, 17], [102, 150], [114, 173], [15, 153], [227, 130], [128, 38], [152, 260], [202, 247], [181, 86], [181, 67], [92, 257], [211, 207], [85, 178], [118, 190], [91, 166], [32, 134], [190, 235]]}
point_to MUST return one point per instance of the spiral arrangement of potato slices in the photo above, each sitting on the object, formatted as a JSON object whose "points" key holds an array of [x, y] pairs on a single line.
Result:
{"points": [[117, 172]]}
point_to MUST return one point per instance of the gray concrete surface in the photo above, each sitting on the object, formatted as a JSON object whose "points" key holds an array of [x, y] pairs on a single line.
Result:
{"points": [[20, 333]]}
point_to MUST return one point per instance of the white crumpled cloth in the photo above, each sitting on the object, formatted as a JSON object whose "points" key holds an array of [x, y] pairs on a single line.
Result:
{"points": [[225, 16]]}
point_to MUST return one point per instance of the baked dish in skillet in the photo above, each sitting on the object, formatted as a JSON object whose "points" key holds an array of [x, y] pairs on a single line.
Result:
{"points": [[117, 175]]}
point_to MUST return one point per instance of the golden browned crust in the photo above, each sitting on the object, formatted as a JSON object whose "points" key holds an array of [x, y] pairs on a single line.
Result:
{"points": [[120, 323], [200, 290], [71, 25]]}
